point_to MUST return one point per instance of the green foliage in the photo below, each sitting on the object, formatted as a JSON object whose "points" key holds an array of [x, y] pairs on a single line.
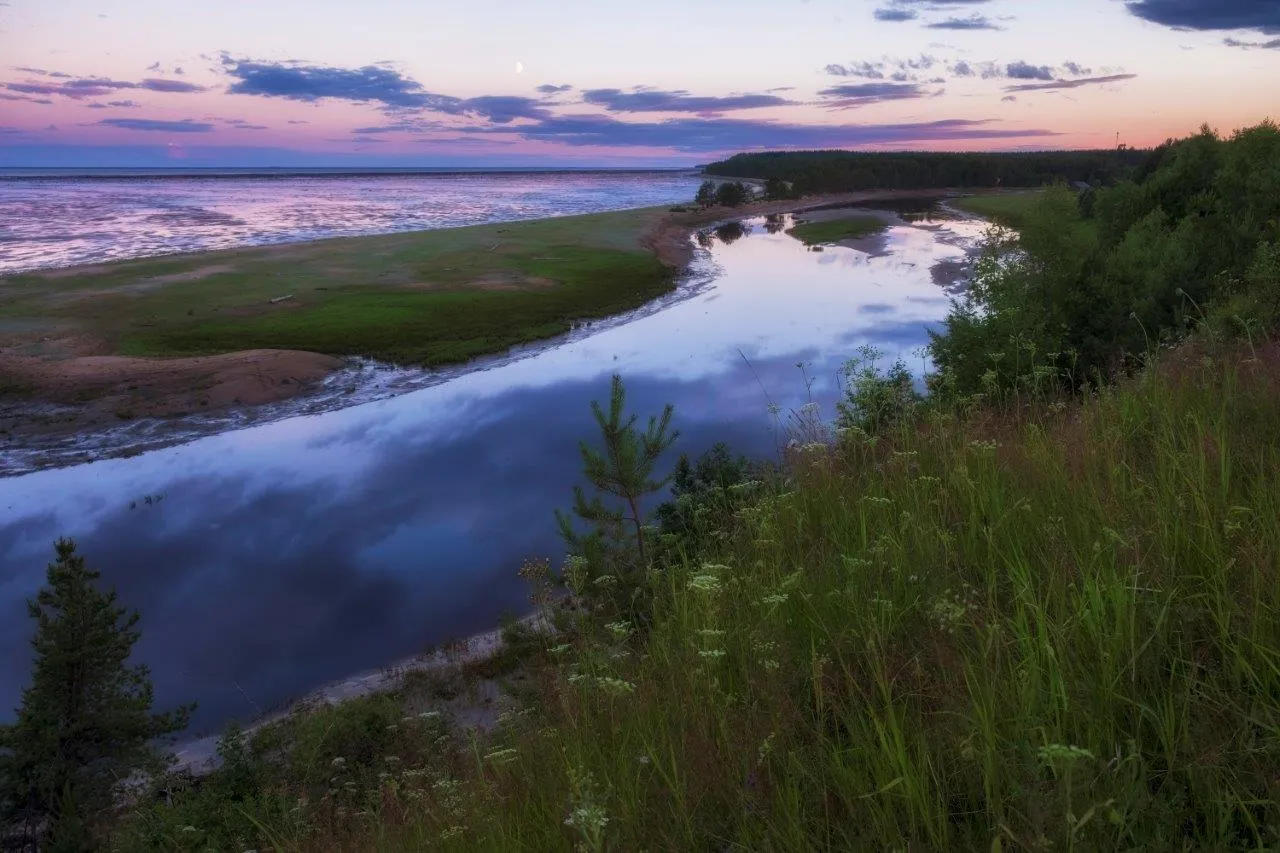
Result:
{"points": [[835, 230], [1071, 300], [875, 398], [612, 558], [705, 493], [778, 189], [301, 781], [706, 195], [85, 723], [811, 172], [733, 194]]}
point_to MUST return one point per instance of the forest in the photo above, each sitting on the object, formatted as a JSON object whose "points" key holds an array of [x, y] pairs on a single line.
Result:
{"points": [[810, 172]]}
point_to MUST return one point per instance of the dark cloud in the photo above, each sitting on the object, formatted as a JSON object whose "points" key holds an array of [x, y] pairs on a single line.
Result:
{"points": [[94, 87], [660, 101], [301, 82], [1261, 15], [973, 22], [1009, 98], [1274, 44], [125, 104], [501, 109], [722, 134], [551, 89], [1076, 70], [184, 126], [962, 69], [1070, 84], [155, 66], [27, 98], [42, 72], [244, 124], [157, 85], [868, 70], [895, 15], [862, 94], [298, 121], [1019, 70]]}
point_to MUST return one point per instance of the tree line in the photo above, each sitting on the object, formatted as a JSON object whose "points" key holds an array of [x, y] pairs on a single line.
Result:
{"points": [[808, 172]]}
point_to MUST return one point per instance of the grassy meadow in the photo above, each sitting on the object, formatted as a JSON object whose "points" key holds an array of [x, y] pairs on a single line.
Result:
{"points": [[1008, 209], [817, 232], [428, 297]]}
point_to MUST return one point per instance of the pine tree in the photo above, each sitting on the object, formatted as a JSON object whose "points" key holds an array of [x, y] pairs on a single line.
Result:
{"points": [[85, 723], [623, 470]]}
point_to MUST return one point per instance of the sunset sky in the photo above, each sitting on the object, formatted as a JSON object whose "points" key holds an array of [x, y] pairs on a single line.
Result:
{"points": [[587, 82]]}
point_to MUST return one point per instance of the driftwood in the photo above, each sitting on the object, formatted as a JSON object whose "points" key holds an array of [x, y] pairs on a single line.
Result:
{"points": [[279, 299]]}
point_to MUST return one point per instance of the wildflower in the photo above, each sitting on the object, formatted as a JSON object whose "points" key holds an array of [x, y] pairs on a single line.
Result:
{"points": [[339, 761], [588, 819], [502, 756], [560, 649], [620, 630], [711, 632], [705, 583], [615, 686], [774, 599], [189, 829], [1055, 752], [643, 759], [452, 832], [765, 749], [712, 653]]}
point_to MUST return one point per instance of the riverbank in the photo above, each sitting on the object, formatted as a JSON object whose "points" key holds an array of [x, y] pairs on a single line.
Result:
{"points": [[111, 346]]}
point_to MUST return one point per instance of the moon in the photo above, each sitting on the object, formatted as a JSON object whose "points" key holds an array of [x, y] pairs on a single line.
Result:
{"points": [[519, 67]]}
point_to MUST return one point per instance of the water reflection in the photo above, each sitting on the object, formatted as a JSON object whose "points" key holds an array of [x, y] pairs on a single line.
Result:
{"points": [[294, 553]]}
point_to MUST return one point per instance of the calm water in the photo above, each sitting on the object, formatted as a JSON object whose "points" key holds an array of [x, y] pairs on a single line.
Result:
{"points": [[271, 560], [56, 222]]}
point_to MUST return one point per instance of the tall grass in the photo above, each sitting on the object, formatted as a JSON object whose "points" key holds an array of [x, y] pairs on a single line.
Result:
{"points": [[1047, 628]]}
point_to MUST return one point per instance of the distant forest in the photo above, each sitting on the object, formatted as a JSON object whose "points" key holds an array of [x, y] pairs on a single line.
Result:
{"points": [[844, 171]]}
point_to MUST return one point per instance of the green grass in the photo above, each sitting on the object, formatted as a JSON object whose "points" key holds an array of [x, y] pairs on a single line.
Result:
{"points": [[430, 296], [1047, 627], [435, 327], [835, 230], [1010, 209]]}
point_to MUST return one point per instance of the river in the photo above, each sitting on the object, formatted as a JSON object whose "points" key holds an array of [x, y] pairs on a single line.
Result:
{"points": [[270, 560]]}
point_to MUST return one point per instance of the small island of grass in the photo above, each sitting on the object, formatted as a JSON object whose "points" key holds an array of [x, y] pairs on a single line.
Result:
{"points": [[1008, 209], [818, 232]]}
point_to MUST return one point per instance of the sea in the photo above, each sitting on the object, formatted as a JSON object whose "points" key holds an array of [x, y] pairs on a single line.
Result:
{"points": [[66, 217]]}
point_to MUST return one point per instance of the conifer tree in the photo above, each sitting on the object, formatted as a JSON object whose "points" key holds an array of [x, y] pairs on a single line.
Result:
{"points": [[85, 723], [622, 470]]}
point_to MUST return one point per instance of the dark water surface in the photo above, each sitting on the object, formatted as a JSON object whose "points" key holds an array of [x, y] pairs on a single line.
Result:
{"points": [[268, 561], [64, 221]]}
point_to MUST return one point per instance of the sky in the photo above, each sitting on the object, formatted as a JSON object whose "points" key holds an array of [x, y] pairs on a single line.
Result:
{"points": [[132, 83]]}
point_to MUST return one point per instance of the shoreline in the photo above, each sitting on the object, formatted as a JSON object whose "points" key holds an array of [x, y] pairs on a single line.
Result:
{"points": [[198, 756], [89, 405]]}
